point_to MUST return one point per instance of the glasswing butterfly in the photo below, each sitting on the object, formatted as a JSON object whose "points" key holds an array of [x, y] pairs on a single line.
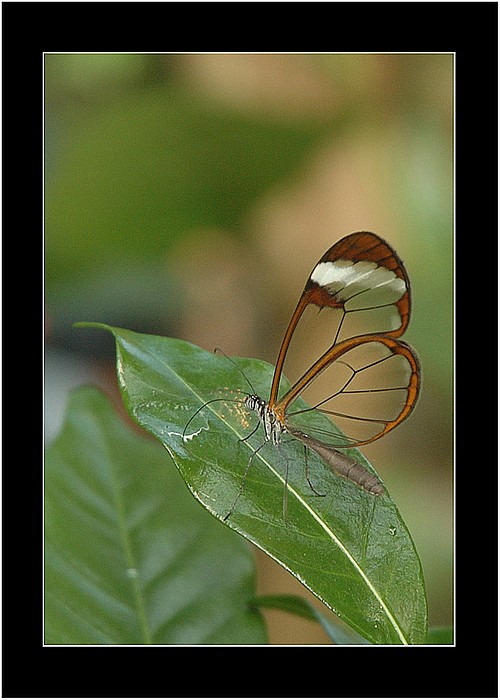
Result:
{"points": [[366, 379]]}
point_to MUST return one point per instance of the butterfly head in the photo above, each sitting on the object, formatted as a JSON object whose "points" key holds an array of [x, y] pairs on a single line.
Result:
{"points": [[273, 426]]}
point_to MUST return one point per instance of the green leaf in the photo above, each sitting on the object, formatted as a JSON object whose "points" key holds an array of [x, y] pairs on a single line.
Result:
{"points": [[130, 557], [440, 635], [351, 549]]}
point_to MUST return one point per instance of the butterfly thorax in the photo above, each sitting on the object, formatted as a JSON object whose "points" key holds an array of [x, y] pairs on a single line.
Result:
{"points": [[273, 427]]}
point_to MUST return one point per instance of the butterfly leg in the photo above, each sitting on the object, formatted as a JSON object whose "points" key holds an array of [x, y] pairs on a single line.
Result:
{"points": [[285, 493], [242, 484], [308, 477]]}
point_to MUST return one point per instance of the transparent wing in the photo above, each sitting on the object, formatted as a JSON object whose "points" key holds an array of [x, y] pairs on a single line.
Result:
{"points": [[367, 386], [355, 305]]}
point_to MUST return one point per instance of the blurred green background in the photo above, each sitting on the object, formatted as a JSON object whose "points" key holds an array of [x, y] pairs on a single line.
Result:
{"points": [[190, 195]]}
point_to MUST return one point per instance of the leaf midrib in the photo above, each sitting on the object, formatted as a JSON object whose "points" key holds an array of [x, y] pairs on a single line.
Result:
{"points": [[329, 532], [132, 564]]}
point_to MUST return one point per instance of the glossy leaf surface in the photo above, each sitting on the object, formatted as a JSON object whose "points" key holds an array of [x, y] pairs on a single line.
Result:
{"points": [[440, 635], [130, 557], [350, 548]]}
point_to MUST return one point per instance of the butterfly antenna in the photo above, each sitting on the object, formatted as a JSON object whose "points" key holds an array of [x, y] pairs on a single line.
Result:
{"points": [[238, 368], [201, 409]]}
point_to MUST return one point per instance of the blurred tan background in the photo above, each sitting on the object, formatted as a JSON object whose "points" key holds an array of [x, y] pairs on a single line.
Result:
{"points": [[191, 195]]}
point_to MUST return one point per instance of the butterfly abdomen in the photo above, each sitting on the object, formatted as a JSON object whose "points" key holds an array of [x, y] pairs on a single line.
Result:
{"points": [[342, 464]]}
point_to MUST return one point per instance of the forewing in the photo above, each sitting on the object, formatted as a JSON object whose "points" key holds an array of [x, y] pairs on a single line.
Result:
{"points": [[363, 277], [361, 287], [358, 296]]}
